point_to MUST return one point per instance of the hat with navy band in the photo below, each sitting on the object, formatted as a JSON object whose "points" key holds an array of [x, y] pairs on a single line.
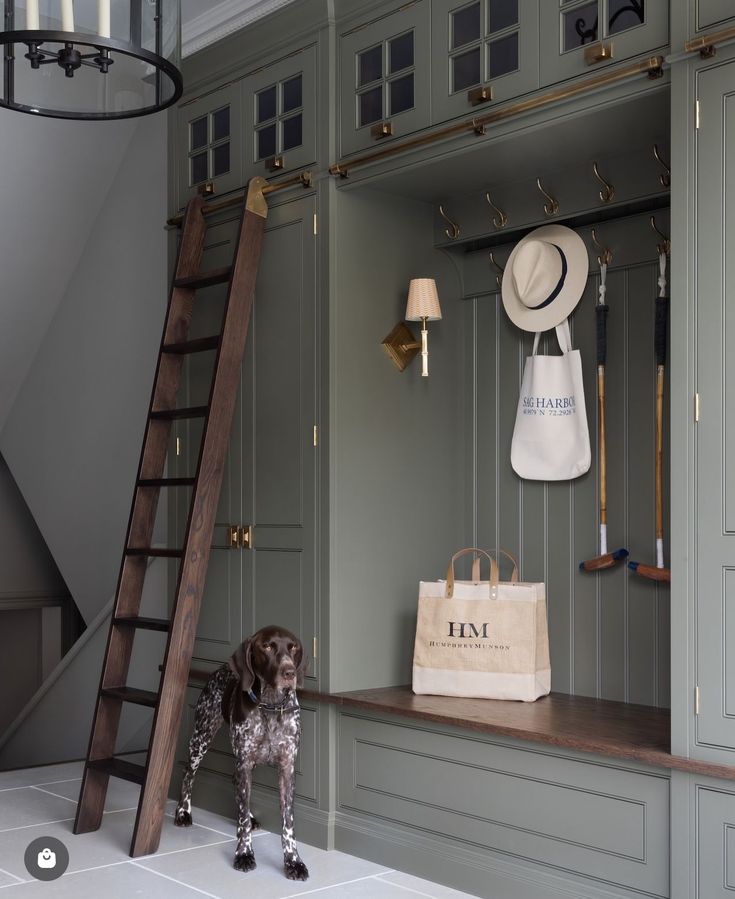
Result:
{"points": [[545, 277]]}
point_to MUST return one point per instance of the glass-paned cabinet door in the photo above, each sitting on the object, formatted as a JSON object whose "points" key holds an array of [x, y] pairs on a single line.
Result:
{"points": [[483, 51], [209, 144], [578, 36], [280, 115], [384, 79]]}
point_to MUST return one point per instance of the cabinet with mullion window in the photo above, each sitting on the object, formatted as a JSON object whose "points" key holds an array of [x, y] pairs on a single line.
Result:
{"points": [[385, 78], [209, 135], [280, 115], [484, 51], [580, 36]]}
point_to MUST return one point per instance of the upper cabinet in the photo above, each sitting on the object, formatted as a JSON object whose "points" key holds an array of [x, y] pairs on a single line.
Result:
{"points": [[483, 52], [712, 13], [280, 115], [578, 35], [384, 78]]}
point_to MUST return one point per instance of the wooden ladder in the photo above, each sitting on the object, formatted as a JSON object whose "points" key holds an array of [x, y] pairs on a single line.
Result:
{"points": [[167, 703]]}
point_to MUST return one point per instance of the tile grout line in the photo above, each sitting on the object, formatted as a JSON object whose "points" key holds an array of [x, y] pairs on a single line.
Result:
{"points": [[173, 880], [49, 793], [45, 784], [14, 876], [413, 890], [113, 811], [333, 886]]}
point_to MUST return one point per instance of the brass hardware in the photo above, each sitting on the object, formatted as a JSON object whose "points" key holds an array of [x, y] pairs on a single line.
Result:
{"points": [[697, 700], [233, 536], [664, 177], [479, 95], [478, 128], [664, 247], [382, 129], [498, 268], [338, 171], [314, 648], [275, 163], [178, 446], [707, 42], [605, 256], [708, 52], [316, 225], [552, 207], [696, 115], [246, 536], [206, 189], [316, 435], [608, 191], [255, 201], [501, 219], [304, 179], [401, 346], [452, 231], [696, 407], [599, 52]]}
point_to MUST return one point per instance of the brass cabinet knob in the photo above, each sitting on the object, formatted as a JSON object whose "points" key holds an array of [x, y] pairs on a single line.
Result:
{"points": [[382, 129], [275, 163], [599, 52], [478, 95]]}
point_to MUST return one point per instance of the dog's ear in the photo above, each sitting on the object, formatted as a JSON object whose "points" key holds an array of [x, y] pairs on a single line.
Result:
{"points": [[241, 662], [302, 664]]}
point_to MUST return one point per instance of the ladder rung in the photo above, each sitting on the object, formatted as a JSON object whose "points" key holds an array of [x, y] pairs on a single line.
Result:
{"points": [[187, 412], [192, 346], [148, 624], [119, 768], [205, 279], [166, 482], [132, 694], [154, 551]]}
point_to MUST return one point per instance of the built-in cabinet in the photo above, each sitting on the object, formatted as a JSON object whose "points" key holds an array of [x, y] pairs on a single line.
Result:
{"points": [[712, 13], [715, 841]]}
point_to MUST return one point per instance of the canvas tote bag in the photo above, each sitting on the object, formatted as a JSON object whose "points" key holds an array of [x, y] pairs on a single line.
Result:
{"points": [[551, 440], [484, 639]]}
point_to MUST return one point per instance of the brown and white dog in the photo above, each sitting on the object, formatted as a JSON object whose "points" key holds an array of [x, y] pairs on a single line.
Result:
{"points": [[255, 692]]}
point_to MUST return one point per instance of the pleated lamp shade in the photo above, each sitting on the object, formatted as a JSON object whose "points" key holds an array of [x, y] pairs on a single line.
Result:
{"points": [[423, 300]]}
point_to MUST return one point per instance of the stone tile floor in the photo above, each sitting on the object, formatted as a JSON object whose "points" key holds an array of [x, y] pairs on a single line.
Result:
{"points": [[191, 862]]}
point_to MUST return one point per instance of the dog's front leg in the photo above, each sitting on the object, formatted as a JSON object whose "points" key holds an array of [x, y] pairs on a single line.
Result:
{"points": [[295, 868], [244, 855]]}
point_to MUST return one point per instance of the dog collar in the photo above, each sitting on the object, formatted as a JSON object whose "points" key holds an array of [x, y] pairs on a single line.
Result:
{"points": [[280, 707], [253, 697]]}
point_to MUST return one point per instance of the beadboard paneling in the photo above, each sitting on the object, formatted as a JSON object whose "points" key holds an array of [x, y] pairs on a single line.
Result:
{"points": [[609, 630]]}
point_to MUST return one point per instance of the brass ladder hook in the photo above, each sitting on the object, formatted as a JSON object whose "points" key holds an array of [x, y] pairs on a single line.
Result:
{"points": [[665, 246], [605, 253], [498, 268], [664, 177], [608, 191], [501, 219], [552, 207], [452, 231]]}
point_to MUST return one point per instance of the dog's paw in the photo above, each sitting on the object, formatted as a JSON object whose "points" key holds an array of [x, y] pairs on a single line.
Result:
{"points": [[245, 861], [254, 823], [182, 818], [296, 869]]}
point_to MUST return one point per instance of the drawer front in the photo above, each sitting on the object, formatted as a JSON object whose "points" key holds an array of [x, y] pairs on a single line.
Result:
{"points": [[712, 13], [715, 844], [570, 27], [219, 758], [280, 116], [608, 823], [384, 79]]}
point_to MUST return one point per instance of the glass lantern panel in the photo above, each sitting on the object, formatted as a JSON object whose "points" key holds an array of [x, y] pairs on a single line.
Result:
{"points": [[221, 159], [466, 70], [502, 14], [369, 65], [199, 168], [199, 133], [400, 52], [266, 141], [465, 25], [580, 26], [291, 132], [503, 56], [370, 106], [266, 103], [221, 123], [291, 94], [625, 14], [401, 94]]}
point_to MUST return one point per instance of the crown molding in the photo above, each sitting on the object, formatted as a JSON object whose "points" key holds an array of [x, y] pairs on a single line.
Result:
{"points": [[223, 19]]}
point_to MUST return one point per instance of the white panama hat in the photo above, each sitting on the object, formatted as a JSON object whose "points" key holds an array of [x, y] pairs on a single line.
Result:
{"points": [[545, 277]]}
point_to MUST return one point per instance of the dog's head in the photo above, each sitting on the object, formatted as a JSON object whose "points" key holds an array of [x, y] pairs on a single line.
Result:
{"points": [[272, 658]]}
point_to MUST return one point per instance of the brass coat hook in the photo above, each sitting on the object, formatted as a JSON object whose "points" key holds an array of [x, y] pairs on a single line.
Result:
{"points": [[605, 257], [498, 268], [452, 231], [664, 177], [608, 191], [501, 219], [552, 207], [665, 246]]}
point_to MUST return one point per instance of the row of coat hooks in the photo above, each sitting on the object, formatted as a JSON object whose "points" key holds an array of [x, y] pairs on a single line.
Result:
{"points": [[551, 204], [605, 256]]}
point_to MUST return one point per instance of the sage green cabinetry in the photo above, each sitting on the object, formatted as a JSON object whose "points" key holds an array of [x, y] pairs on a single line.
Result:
{"points": [[715, 842], [384, 83], [712, 13], [569, 27], [483, 51], [280, 115]]}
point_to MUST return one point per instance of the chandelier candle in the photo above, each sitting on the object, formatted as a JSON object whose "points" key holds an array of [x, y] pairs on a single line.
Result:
{"points": [[103, 17], [67, 15], [33, 21]]}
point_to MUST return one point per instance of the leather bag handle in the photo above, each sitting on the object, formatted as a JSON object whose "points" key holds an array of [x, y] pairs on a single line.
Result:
{"points": [[514, 575], [492, 583]]}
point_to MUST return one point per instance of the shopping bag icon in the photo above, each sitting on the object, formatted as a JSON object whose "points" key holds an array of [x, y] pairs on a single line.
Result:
{"points": [[46, 859]]}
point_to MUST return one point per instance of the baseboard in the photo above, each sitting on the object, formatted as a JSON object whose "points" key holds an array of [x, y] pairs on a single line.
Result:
{"points": [[456, 865]]}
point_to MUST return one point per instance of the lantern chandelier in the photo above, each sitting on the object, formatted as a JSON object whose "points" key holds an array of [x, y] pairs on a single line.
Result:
{"points": [[91, 59]]}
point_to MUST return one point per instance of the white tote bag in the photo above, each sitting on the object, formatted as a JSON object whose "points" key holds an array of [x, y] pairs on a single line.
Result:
{"points": [[484, 639], [551, 440]]}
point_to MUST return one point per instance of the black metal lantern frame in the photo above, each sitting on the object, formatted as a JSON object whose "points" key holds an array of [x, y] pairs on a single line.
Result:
{"points": [[70, 51]]}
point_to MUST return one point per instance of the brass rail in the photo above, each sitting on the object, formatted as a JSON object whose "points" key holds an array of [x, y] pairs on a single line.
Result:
{"points": [[707, 41]]}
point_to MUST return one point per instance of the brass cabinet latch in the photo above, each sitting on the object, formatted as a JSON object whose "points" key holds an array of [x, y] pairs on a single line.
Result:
{"points": [[206, 189], [599, 52], [275, 163], [382, 129], [480, 95], [233, 537], [240, 536]]}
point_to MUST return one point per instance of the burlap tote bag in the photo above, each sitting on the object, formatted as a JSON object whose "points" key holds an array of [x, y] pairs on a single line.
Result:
{"points": [[484, 639]]}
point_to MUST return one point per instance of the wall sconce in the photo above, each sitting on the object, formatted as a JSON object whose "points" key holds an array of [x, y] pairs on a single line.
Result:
{"points": [[423, 305]]}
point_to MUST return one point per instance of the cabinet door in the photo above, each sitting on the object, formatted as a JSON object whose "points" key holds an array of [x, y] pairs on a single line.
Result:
{"points": [[209, 143], [280, 115], [715, 435], [484, 51], [715, 844], [710, 13], [384, 78], [573, 29]]}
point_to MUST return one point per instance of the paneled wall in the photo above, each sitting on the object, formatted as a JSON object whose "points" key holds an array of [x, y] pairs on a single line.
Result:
{"points": [[609, 631]]}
